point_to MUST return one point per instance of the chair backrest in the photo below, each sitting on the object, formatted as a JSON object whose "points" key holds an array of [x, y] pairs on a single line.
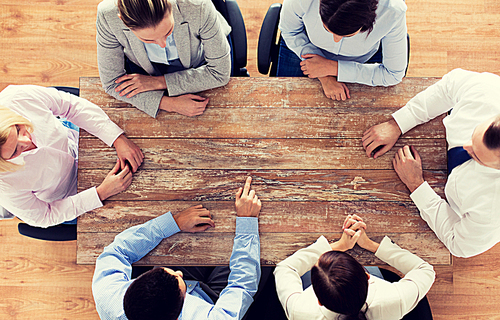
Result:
{"points": [[231, 12], [268, 46]]}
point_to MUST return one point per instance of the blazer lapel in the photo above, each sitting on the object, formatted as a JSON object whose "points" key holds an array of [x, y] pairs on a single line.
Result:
{"points": [[139, 51], [182, 37]]}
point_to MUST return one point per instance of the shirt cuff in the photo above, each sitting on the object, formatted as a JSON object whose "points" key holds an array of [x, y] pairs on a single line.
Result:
{"points": [[247, 225], [405, 119], [382, 250], [346, 71], [322, 245], [110, 133], [422, 195], [166, 223], [89, 200]]}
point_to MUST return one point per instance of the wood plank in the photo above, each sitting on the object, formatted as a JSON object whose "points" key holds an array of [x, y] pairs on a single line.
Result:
{"points": [[275, 185], [221, 122], [319, 217], [281, 92], [259, 154], [190, 249]]}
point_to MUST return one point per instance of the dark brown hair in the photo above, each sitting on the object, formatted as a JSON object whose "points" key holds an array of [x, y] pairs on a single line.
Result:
{"points": [[491, 136], [140, 14], [155, 295], [340, 284], [345, 17]]}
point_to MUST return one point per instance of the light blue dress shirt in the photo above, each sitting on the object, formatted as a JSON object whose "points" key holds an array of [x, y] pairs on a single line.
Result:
{"points": [[165, 55], [303, 31], [114, 268]]}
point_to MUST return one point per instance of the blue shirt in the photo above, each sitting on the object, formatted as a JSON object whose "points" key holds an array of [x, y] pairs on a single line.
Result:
{"points": [[303, 31], [114, 268], [165, 55]]}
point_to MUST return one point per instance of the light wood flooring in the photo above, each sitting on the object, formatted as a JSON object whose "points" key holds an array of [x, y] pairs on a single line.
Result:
{"points": [[52, 42]]}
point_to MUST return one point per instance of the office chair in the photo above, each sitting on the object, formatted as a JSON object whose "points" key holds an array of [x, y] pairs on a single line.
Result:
{"points": [[238, 36]]}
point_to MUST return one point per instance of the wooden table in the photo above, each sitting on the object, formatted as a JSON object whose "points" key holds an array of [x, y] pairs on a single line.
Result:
{"points": [[303, 151]]}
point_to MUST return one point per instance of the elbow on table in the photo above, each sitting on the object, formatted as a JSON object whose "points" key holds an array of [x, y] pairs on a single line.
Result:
{"points": [[393, 78]]}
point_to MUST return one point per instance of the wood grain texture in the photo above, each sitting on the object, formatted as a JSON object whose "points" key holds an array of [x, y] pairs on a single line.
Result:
{"points": [[44, 61], [283, 92], [276, 154], [319, 217], [275, 185], [190, 249]]}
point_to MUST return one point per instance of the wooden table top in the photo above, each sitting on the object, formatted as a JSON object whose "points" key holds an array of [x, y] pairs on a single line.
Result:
{"points": [[303, 151]]}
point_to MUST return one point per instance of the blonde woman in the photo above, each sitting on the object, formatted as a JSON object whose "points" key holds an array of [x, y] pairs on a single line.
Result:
{"points": [[39, 155], [154, 54]]}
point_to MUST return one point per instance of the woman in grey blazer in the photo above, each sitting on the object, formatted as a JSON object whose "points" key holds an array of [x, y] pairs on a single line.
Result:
{"points": [[154, 53]]}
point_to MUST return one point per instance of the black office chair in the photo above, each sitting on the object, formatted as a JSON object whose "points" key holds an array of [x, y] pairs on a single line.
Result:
{"points": [[422, 311], [238, 36], [269, 42], [62, 232]]}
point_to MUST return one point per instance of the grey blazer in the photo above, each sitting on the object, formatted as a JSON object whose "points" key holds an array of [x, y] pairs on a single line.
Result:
{"points": [[200, 34]]}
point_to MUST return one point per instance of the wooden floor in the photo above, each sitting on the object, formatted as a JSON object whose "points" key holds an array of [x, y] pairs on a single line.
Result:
{"points": [[52, 42]]}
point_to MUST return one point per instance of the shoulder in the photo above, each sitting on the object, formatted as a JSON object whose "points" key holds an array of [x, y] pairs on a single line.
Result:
{"points": [[301, 7], [393, 7], [22, 92], [107, 6]]}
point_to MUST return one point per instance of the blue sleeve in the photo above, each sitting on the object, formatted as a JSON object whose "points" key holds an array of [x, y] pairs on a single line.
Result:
{"points": [[394, 61], [114, 266], [293, 29], [244, 278]]}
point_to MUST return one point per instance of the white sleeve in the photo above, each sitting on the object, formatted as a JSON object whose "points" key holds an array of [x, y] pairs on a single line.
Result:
{"points": [[289, 271], [419, 275], [463, 236], [433, 101], [81, 112]]}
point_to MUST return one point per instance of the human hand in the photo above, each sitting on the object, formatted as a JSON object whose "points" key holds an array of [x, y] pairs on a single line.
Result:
{"points": [[194, 219], [381, 138], [247, 204], [351, 232], [333, 89], [316, 66], [408, 168], [132, 84], [351, 226], [128, 151], [188, 104], [115, 182]]}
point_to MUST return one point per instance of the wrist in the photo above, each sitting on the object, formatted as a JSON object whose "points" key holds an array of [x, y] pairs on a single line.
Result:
{"points": [[336, 246], [100, 193], [166, 104], [119, 140], [334, 68], [162, 83], [372, 246], [414, 185]]}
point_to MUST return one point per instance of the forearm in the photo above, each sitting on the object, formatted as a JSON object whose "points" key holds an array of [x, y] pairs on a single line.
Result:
{"points": [[245, 269], [45, 214]]}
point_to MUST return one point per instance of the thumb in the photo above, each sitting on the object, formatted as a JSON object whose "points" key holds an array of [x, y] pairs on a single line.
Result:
{"points": [[308, 55], [356, 236], [116, 168]]}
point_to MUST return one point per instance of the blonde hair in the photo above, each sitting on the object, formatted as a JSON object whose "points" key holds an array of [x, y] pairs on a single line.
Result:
{"points": [[140, 14], [9, 118]]}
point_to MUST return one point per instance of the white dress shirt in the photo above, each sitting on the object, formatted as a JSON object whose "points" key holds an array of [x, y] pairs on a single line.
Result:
{"points": [[303, 31], [43, 193], [385, 300], [469, 223]]}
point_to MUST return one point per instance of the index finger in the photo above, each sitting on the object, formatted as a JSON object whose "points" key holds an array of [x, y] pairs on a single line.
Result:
{"points": [[246, 188], [122, 78], [407, 152]]}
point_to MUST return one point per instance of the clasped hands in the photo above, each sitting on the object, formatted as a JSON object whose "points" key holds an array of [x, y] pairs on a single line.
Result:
{"points": [[354, 231]]}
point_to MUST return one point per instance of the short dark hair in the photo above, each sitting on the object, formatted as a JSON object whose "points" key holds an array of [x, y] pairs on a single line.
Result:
{"points": [[140, 14], [154, 295], [345, 17], [340, 284], [491, 136]]}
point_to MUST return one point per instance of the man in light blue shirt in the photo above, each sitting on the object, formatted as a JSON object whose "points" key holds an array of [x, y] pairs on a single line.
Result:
{"points": [[162, 293]]}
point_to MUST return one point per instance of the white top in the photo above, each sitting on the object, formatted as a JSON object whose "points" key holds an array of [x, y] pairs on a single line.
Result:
{"points": [[43, 192], [162, 55], [303, 31], [385, 300], [469, 223]]}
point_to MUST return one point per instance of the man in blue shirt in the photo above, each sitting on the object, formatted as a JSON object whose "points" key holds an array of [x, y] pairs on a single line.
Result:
{"points": [[162, 293]]}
